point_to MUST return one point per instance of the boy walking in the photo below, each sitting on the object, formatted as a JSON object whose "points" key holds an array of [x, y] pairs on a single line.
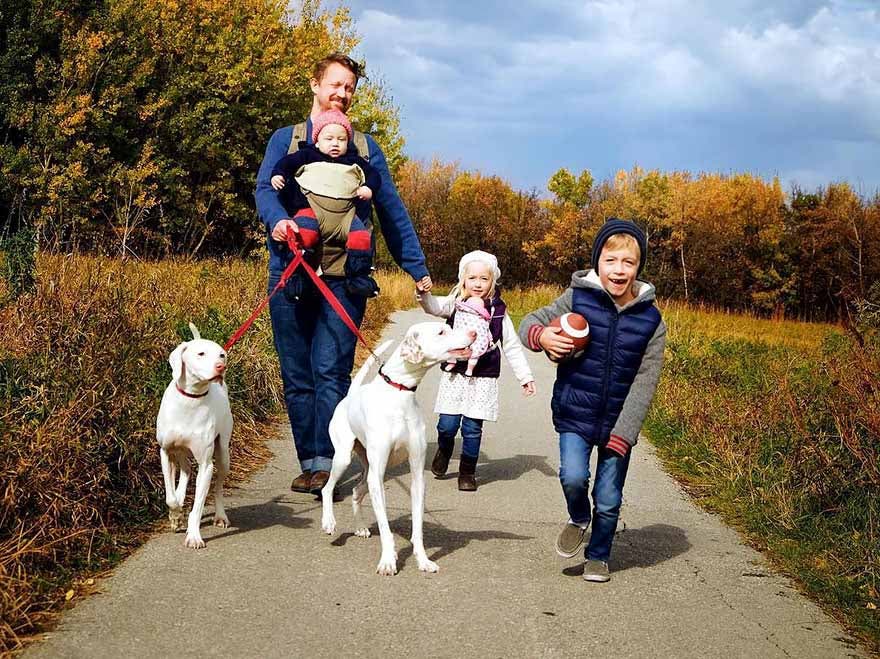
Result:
{"points": [[600, 400]]}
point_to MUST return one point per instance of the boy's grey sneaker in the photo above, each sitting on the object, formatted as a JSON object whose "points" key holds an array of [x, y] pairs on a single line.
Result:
{"points": [[570, 539], [596, 571]]}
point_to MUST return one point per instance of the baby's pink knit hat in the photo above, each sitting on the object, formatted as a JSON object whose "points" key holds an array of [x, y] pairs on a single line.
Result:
{"points": [[330, 117]]}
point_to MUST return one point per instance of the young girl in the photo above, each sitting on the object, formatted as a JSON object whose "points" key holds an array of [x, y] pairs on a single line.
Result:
{"points": [[466, 401]]}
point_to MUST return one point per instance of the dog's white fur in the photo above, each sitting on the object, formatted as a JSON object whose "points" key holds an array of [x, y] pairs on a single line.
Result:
{"points": [[198, 426], [384, 425]]}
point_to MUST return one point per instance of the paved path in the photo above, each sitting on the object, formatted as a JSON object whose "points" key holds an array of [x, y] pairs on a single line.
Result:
{"points": [[273, 585]]}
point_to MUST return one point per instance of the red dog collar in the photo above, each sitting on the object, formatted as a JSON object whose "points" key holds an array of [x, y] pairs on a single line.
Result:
{"points": [[189, 395], [394, 384]]}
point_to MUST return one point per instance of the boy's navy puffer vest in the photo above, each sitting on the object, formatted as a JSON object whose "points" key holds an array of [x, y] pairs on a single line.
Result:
{"points": [[489, 363], [589, 392]]}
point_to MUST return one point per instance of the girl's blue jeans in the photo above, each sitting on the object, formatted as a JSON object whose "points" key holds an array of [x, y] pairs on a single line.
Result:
{"points": [[574, 474], [471, 434]]}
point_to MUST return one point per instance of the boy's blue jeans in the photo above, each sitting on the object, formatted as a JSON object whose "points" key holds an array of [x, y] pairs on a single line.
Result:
{"points": [[574, 474], [316, 353], [471, 434]]}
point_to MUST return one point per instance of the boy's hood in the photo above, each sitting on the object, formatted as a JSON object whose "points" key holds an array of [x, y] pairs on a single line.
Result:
{"points": [[589, 279]]}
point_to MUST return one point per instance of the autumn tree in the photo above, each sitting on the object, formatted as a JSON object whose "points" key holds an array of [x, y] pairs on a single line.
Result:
{"points": [[148, 119], [564, 244]]}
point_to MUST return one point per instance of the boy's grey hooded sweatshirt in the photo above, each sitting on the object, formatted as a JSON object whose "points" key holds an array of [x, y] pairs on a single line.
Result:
{"points": [[644, 384]]}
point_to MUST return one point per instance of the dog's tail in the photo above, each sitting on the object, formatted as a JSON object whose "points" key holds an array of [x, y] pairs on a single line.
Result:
{"points": [[362, 372]]}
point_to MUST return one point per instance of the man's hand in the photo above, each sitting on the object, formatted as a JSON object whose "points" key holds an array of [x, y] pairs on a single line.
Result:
{"points": [[364, 193], [529, 388], [279, 233], [555, 344], [424, 284], [277, 182]]}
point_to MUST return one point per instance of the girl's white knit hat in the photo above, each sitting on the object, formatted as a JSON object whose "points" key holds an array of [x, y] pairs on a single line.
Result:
{"points": [[485, 258]]}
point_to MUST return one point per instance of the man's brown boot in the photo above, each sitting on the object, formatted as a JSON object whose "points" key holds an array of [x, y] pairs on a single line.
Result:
{"points": [[301, 483], [440, 463], [467, 481], [319, 480]]}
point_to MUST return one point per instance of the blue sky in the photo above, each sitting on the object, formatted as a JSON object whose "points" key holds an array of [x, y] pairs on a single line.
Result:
{"points": [[788, 88]]}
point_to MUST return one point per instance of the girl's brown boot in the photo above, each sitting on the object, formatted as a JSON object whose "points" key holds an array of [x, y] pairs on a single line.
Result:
{"points": [[467, 481]]}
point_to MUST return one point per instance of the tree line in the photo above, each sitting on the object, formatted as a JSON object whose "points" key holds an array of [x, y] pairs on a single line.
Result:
{"points": [[136, 127], [730, 241]]}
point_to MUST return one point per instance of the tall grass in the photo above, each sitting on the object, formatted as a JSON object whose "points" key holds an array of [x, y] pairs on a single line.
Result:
{"points": [[83, 364], [776, 426]]}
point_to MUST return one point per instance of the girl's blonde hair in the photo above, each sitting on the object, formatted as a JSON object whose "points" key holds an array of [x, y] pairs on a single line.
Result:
{"points": [[488, 260]]}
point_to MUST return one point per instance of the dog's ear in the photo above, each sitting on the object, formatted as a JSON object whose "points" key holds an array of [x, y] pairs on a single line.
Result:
{"points": [[410, 350], [178, 370], [195, 331]]}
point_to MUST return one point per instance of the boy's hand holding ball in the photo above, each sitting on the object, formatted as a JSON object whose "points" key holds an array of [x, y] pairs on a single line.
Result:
{"points": [[566, 337]]}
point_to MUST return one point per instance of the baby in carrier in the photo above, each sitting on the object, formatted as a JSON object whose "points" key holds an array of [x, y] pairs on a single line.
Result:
{"points": [[329, 200]]}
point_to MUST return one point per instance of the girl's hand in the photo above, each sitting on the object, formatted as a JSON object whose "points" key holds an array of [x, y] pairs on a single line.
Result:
{"points": [[554, 344], [364, 193], [529, 388], [424, 284], [277, 182]]}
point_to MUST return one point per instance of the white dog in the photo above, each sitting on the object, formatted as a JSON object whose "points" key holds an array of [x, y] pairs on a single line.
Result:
{"points": [[382, 423], [195, 418]]}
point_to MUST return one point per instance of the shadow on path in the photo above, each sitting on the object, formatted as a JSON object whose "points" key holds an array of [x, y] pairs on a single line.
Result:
{"points": [[501, 469], [263, 515], [642, 547], [488, 470], [445, 540]]}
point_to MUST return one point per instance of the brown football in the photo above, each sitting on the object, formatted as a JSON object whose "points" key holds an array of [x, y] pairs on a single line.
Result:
{"points": [[575, 327]]}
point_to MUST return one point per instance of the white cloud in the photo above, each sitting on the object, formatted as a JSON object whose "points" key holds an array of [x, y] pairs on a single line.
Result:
{"points": [[739, 81]]}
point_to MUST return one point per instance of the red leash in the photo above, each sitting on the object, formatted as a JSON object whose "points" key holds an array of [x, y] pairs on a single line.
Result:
{"points": [[292, 243]]}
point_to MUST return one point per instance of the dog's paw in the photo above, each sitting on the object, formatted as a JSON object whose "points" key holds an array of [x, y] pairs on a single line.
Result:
{"points": [[427, 565], [222, 521], [194, 541], [362, 532], [328, 525], [387, 568]]}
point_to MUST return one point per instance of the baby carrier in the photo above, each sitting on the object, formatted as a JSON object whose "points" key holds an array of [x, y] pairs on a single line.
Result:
{"points": [[343, 242]]}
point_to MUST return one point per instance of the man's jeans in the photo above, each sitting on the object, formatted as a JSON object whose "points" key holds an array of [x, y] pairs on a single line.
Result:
{"points": [[316, 353], [574, 474], [471, 434]]}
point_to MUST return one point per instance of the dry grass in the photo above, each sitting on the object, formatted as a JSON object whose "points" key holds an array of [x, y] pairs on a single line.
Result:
{"points": [[83, 364], [776, 425], [714, 323]]}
